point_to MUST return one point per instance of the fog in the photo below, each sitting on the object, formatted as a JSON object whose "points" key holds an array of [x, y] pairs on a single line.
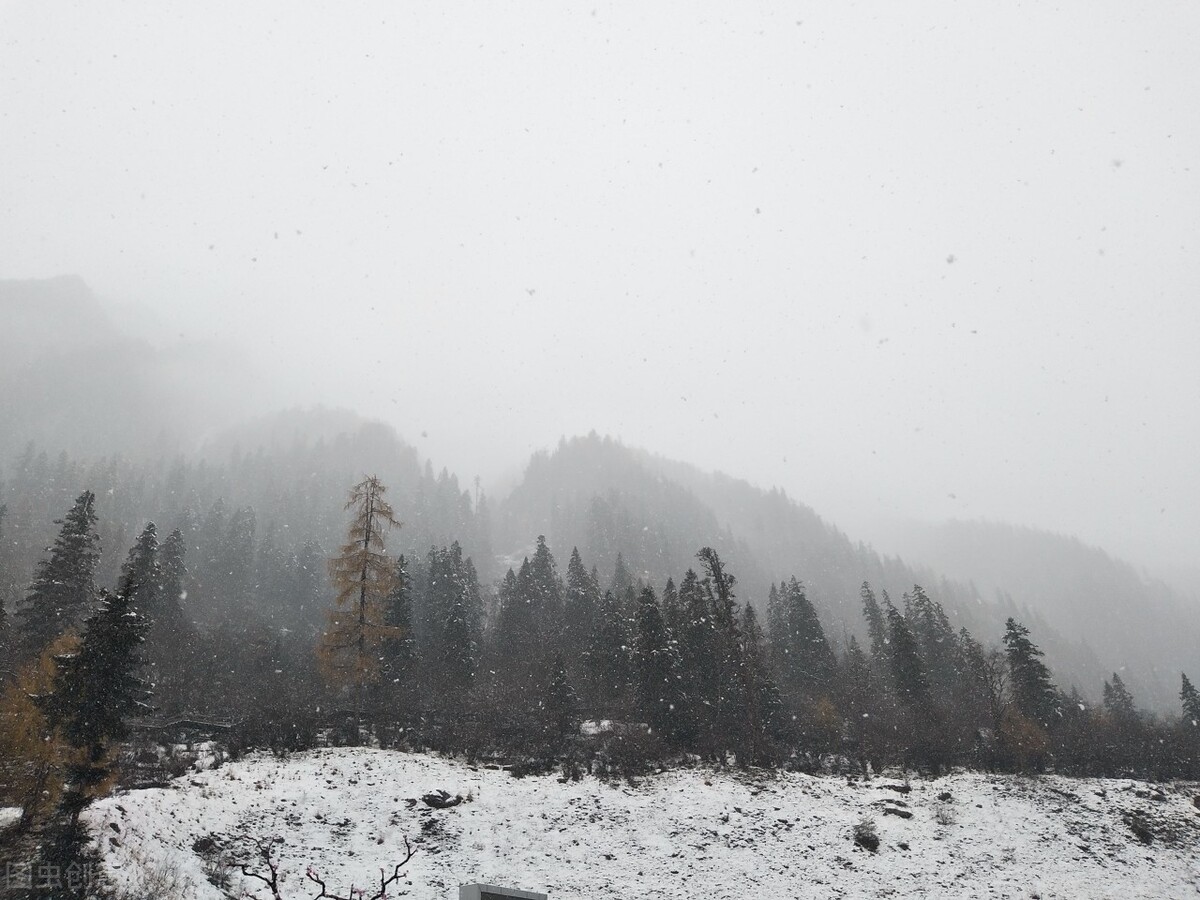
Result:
{"points": [[921, 261]]}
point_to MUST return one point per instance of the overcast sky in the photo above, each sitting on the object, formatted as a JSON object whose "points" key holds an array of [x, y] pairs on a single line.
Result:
{"points": [[919, 259]]}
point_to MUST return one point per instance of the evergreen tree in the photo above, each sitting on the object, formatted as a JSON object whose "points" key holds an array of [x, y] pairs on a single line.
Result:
{"points": [[876, 623], [697, 640], [859, 703], [937, 642], [458, 650], [141, 570], [776, 629], [904, 657], [362, 575], [806, 661], [608, 660], [672, 612], [760, 694], [731, 729], [921, 724], [1032, 688], [171, 638], [64, 588], [95, 692], [581, 599], [622, 582], [1118, 701], [658, 688], [1189, 697], [547, 592], [397, 652], [561, 705]]}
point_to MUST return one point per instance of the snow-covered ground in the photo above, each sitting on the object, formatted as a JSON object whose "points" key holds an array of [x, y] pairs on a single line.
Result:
{"points": [[680, 834]]}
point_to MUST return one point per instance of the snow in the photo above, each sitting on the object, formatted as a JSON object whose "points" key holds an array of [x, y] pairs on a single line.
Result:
{"points": [[684, 833], [9, 815]]}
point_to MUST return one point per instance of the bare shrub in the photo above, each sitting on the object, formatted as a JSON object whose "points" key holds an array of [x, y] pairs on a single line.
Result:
{"points": [[866, 836]]}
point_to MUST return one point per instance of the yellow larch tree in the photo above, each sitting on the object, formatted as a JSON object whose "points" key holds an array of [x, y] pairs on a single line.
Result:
{"points": [[363, 576]]}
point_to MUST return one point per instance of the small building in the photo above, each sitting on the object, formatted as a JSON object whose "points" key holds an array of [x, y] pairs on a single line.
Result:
{"points": [[491, 892]]}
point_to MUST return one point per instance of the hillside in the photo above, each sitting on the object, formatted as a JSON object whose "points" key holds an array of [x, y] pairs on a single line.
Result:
{"points": [[603, 497], [1137, 625], [71, 379], [686, 833]]}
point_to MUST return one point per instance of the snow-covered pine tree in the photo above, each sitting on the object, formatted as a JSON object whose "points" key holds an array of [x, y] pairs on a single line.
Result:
{"points": [[608, 660], [1032, 687], [96, 690], [64, 589], [1189, 699], [657, 687], [807, 663], [876, 623], [1118, 702], [580, 601], [561, 705]]}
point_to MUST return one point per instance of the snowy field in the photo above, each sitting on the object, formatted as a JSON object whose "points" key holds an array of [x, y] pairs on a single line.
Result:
{"points": [[681, 834]]}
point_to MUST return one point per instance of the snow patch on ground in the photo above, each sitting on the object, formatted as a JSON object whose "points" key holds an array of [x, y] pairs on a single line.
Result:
{"points": [[690, 833], [9, 815]]}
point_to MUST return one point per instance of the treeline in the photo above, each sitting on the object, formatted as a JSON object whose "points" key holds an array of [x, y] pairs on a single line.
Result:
{"points": [[416, 651]]}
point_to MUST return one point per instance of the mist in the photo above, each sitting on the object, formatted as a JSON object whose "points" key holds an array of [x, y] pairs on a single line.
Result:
{"points": [[922, 263]]}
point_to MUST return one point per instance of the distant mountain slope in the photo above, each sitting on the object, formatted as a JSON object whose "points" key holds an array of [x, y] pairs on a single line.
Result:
{"points": [[1137, 625], [39, 314], [71, 380], [700, 833], [606, 498]]}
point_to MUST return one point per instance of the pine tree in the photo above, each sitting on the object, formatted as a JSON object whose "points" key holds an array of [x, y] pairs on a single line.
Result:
{"points": [[1033, 690], [699, 669], [806, 661], [760, 694], [561, 705], [672, 612], [1189, 697], [64, 588], [1118, 701], [608, 660], [776, 628], [876, 623], [937, 642], [622, 582], [362, 575], [548, 592], [859, 703], [170, 641], [397, 651], [657, 686], [458, 650], [907, 667], [733, 679], [581, 599], [95, 692], [141, 569]]}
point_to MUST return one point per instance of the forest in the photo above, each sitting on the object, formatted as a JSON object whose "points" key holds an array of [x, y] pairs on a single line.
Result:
{"points": [[315, 630]]}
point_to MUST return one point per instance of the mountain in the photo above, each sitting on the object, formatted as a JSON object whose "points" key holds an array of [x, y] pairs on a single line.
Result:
{"points": [[72, 380], [1139, 626], [1094, 615]]}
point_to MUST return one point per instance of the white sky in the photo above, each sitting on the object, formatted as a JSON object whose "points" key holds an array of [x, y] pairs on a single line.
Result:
{"points": [[927, 259]]}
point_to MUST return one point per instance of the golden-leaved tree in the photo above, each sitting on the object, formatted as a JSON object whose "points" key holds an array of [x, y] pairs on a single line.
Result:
{"points": [[363, 576]]}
